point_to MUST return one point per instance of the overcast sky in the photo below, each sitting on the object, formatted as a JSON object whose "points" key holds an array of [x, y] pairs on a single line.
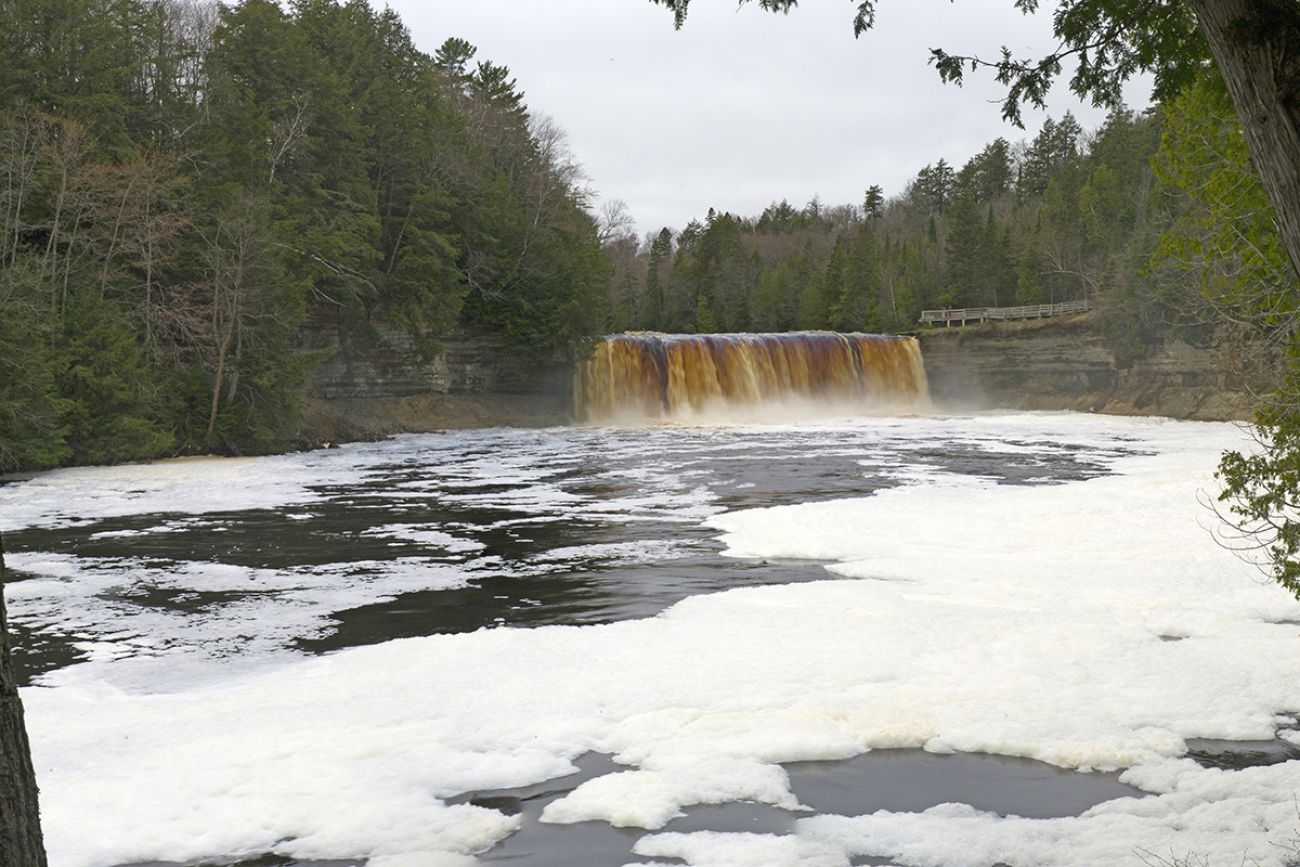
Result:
{"points": [[742, 107]]}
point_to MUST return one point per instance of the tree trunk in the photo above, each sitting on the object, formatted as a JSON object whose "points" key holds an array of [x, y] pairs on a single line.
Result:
{"points": [[210, 439], [20, 826], [1256, 44]]}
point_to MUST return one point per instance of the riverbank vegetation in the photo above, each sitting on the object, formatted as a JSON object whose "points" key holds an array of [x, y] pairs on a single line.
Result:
{"points": [[182, 183], [1157, 217], [183, 186]]}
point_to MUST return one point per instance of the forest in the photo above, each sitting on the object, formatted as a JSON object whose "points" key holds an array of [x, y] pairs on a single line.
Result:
{"points": [[1157, 217], [183, 184]]}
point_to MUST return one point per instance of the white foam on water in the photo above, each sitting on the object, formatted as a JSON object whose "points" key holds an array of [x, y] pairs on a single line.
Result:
{"points": [[618, 553], [189, 485], [236, 617], [1022, 621], [428, 536], [713, 849], [126, 534], [1206, 815]]}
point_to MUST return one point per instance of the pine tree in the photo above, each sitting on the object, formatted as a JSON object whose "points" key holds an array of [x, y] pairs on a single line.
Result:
{"points": [[963, 252], [873, 204], [652, 317]]}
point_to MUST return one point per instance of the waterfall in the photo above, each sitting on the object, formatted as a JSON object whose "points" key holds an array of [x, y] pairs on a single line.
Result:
{"points": [[678, 376]]}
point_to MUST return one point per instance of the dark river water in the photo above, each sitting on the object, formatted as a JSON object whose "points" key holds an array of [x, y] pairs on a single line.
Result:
{"points": [[489, 529], [606, 528]]}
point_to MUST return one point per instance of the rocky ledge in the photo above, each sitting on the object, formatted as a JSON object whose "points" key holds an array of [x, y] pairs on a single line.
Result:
{"points": [[371, 388], [381, 386], [1063, 364]]}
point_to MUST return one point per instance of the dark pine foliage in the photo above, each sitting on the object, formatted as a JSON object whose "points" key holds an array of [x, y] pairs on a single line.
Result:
{"points": [[182, 182]]}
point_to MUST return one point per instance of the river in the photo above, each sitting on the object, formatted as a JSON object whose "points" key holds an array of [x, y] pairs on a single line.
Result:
{"points": [[920, 640]]}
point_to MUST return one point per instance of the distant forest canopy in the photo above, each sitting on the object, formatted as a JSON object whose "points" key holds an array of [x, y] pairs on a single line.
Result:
{"points": [[184, 185], [182, 182], [1156, 216]]}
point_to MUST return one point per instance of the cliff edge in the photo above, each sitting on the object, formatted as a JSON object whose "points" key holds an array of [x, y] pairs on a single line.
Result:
{"points": [[372, 386], [1063, 364]]}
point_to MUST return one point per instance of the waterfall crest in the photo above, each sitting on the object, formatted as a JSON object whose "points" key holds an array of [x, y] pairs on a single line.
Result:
{"points": [[679, 376]]}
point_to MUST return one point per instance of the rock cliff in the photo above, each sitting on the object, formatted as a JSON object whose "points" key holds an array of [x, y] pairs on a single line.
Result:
{"points": [[378, 384], [1063, 364]]}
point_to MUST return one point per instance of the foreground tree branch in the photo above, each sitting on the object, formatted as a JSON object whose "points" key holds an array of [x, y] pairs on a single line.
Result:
{"points": [[1255, 44]]}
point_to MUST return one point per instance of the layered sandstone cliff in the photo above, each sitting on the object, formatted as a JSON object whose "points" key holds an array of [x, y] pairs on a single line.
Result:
{"points": [[1063, 364], [380, 384]]}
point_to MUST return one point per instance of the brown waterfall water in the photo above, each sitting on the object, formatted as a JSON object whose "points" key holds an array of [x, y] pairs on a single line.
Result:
{"points": [[675, 376]]}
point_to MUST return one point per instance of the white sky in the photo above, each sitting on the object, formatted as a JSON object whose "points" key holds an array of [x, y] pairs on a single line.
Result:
{"points": [[742, 107]]}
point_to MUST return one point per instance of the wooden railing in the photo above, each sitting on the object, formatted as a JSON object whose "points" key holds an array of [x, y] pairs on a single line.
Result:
{"points": [[963, 315]]}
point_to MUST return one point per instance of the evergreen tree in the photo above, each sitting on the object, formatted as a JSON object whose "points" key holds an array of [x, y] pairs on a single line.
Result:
{"points": [[652, 317], [33, 433], [992, 171], [873, 204], [113, 412], [933, 187], [855, 307], [963, 252]]}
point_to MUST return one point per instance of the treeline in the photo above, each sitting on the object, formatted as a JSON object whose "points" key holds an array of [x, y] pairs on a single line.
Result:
{"points": [[181, 182], [1156, 216]]}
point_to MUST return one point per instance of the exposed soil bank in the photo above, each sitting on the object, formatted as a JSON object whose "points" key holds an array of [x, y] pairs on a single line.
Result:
{"points": [[1063, 364]]}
